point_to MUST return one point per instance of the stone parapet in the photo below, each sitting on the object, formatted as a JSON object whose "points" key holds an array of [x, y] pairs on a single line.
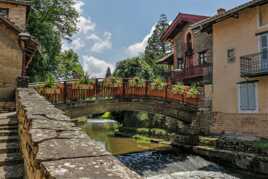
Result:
{"points": [[52, 147]]}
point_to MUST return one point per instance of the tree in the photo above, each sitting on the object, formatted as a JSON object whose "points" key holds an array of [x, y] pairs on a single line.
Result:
{"points": [[134, 67], [68, 65], [156, 49], [50, 21], [108, 73]]}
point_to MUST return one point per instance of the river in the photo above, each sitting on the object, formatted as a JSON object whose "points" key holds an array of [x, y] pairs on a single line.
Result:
{"points": [[158, 161]]}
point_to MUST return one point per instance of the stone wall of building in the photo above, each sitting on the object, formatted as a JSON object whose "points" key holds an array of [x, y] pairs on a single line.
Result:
{"points": [[52, 147], [10, 62], [16, 14], [248, 124]]}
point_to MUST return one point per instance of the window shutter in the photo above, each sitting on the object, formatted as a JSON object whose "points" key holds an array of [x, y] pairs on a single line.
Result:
{"points": [[252, 96], [243, 97]]}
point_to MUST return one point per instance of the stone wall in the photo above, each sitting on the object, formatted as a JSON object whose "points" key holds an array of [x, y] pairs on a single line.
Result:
{"points": [[10, 62], [16, 14], [52, 147], [249, 124]]}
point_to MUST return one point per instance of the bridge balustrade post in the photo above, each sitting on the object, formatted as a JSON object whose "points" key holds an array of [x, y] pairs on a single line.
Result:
{"points": [[125, 85], [146, 87], [65, 92], [166, 91], [96, 88]]}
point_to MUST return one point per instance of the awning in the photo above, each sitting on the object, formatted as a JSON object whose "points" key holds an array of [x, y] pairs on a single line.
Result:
{"points": [[166, 60]]}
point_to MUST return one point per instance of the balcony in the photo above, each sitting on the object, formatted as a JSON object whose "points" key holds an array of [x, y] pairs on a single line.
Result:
{"points": [[192, 73], [254, 65]]}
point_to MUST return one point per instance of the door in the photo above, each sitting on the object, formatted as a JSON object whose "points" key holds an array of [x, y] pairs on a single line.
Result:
{"points": [[264, 52]]}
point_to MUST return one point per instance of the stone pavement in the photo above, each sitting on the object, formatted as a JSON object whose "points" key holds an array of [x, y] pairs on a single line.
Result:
{"points": [[11, 163]]}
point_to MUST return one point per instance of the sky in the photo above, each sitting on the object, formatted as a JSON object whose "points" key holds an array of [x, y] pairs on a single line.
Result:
{"points": [[113, 30]]}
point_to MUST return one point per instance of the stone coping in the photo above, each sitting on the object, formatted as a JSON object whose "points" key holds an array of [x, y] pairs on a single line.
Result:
{"points": [[53, 147]]}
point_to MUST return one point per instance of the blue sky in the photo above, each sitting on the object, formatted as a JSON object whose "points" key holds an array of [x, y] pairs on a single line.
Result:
{"points": [[112, 30]]}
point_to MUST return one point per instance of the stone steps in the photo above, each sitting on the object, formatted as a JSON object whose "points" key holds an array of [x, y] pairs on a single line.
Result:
{"points": [[12, 171], [9, 132], [11, 163], [4, 139], [10, 159]]}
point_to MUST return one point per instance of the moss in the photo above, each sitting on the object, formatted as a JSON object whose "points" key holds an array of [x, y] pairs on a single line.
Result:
{"points": [[142, 139], [106, 115], [262, 144]]}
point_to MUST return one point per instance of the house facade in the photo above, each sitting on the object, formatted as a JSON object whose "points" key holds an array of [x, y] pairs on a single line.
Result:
{"points": [[240, 68], [192, 52], [16, 46]]}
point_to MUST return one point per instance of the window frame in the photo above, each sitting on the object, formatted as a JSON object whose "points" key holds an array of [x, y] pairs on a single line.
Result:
{"points": [[256, 97], [5, 9], [233, 58], [204, 54]]}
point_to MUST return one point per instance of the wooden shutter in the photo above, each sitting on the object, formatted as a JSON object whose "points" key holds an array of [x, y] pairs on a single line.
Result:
{"points": [[248, 100]]}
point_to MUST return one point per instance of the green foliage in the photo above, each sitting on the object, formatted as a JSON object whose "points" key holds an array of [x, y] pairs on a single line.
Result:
{"points": [[68, 65], [179, 89], [51, 81], [50, 21], [193, 92], [107, 115], [156, 48], [113, 82], [134, 67], [137, 82], [85, 79], [158, 84]]}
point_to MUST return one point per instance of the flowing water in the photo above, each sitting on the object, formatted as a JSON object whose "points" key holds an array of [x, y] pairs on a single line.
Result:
{"points": [[157, 161]]}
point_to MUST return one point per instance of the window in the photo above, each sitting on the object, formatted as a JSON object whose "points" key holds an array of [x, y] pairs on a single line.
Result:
{"points": [[263, 16], [3, 12], [248, 97], [203, 58], [231, 55], [180, 64]]}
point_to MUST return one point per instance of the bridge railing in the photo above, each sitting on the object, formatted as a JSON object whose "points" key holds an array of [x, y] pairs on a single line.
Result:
{"points": [[68, 91]]}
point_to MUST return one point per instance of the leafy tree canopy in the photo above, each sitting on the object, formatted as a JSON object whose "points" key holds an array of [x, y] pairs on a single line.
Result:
{"points": [[68, 65], [50, 21]]}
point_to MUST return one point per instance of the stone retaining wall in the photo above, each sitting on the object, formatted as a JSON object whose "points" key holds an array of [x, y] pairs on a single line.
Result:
{"points": [[52, 147]]}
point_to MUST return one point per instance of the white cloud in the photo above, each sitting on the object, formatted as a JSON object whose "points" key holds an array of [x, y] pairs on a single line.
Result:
{"points": [[139, 47], [88, 40], [85, 25], [96, 67], [101, 43], [79, 5]]}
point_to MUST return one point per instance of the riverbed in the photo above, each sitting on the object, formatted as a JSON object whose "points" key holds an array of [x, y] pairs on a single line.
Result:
{"points": [[157, 161]]}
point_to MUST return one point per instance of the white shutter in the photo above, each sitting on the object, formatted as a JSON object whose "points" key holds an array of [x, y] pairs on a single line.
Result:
{"points": [[243, 97], [248, 99]]}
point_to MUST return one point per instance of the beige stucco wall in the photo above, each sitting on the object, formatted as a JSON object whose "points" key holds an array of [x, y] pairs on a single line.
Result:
{"points": [[10, 61], [17, 13], [239, 34]]}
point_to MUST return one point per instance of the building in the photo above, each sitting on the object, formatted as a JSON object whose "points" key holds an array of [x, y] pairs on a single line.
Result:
{"points": [[189, 63], [16, 46], [240, 68]]}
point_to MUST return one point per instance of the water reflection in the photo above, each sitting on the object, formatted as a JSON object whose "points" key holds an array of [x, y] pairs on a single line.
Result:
{"points": [[103, 132]]}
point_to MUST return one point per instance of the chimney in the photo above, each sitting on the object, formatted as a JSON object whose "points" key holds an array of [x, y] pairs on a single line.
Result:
{"points": [[221, 11]]}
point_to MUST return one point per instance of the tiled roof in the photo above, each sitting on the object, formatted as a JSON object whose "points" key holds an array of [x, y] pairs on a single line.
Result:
{"points": [[179, 22], [229, 13]]}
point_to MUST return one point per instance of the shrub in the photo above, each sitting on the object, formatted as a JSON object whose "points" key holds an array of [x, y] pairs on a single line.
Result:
{"points": [[51, 82], [158, 84], [137, 82], [113, 82], [193, 92], [179, 89], [85, 79]]}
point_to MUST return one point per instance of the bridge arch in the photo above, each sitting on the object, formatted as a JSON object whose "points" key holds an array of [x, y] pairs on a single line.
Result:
{"points": [[179, 111]]}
